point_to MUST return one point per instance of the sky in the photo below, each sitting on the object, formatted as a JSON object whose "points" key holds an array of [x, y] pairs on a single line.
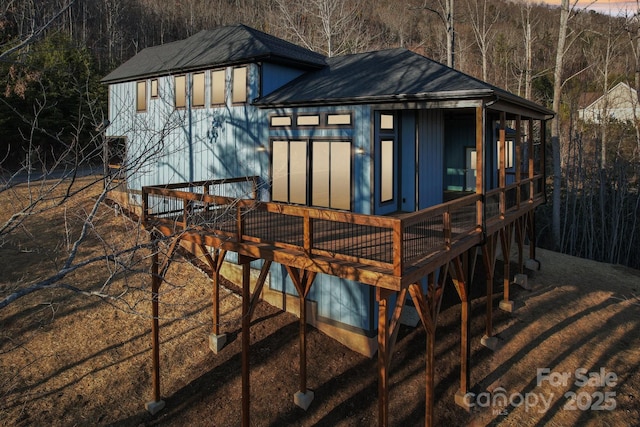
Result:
{"points": [[610, 7]]}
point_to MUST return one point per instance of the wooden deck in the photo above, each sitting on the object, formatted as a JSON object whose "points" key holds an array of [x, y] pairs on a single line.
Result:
{"points": [[382, 251]]}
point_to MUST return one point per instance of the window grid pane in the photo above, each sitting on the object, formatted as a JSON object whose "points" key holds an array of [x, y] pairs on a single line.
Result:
{"points": [[141, 102], [341, 175], [386, 170], [239, 85], [180, 92], [197, 90], [218, 87]]}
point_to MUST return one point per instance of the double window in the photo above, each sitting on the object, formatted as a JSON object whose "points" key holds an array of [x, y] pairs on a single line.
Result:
{"points": [[316, 173]]}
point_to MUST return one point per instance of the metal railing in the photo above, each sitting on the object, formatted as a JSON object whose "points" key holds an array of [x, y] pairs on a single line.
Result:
{"points": [[391, 243]]}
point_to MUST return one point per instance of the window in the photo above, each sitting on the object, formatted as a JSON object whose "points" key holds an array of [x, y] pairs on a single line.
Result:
{"points": [[386, 122], [218, 86], [339, 119], [239, 93], [289, 172], [387, 160], [311, 120], [325, 181], [509, 160], [331, 174], [154, 88], [141, 96], [180, 91], [197, 90], [280, 121], [386, 170]]}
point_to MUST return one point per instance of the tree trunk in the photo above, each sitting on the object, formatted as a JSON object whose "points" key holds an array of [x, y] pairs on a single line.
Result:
{"points": [[555, 122]]}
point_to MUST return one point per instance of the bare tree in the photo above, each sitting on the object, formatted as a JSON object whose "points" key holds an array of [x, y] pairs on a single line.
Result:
{"points": [[483, 17], [332, 27], [444, 10]]}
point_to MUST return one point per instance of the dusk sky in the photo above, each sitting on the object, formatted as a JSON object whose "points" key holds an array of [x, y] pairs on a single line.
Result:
{"points": [[611, 7]]}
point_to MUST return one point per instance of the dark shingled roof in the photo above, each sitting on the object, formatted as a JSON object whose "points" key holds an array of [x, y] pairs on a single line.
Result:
{"points": [[386, 75], [220, 47]]}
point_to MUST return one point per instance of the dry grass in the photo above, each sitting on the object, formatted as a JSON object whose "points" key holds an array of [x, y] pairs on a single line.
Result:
{"points": [[71, 359]]}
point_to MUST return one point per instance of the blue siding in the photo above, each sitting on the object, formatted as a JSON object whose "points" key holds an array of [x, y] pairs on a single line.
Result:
{"points": [[430, 157], [275, 76], [460, 133]]}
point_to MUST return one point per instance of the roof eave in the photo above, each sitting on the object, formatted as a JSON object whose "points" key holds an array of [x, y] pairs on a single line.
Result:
{"points": [[427, 96], [276, 59]]}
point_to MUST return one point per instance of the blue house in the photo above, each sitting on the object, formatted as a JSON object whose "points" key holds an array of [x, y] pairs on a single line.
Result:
{"points": [[434, 164]]}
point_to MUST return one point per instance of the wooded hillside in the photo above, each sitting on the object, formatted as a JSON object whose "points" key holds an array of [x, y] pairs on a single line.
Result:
{"points": [[54, 52]]}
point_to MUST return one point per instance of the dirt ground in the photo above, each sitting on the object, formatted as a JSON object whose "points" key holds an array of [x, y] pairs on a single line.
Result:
{"points": [[67, 358]]}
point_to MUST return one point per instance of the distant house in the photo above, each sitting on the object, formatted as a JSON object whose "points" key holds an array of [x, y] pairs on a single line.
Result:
{"points": [[619, 103], [369, 172]]}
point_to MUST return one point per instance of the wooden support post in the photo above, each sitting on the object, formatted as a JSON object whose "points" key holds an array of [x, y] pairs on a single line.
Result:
{"points": [[387, 334], [383, 362], [216, 339], [461, 284], [246, 341], [489, 259], [506, 238], [156, 404], [428, 307], [302, 280]]}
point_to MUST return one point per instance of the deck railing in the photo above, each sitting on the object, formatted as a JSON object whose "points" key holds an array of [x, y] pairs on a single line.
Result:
{"points": [[388, 242]]}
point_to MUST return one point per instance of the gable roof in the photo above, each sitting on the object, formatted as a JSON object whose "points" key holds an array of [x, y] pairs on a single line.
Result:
{"points": [[222, 46], [386, 76]]}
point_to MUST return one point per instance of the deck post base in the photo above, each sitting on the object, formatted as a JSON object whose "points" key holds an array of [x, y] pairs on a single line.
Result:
{"points": [[523, 281], [303, 400], [532, 264], [463, 400], [506, 305], [217, 342], [490, 342], [154, 407]]}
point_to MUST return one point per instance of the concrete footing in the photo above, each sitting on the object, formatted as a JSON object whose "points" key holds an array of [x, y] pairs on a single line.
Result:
{"points": [[463, 401], [490, 342], [217, 342], [303, 400], [506, 306], [532, 264], [154, 407], [523, 281]]}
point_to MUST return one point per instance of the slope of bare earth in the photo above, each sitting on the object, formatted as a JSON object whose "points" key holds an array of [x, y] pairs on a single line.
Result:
{"points": [[71, 359]]}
